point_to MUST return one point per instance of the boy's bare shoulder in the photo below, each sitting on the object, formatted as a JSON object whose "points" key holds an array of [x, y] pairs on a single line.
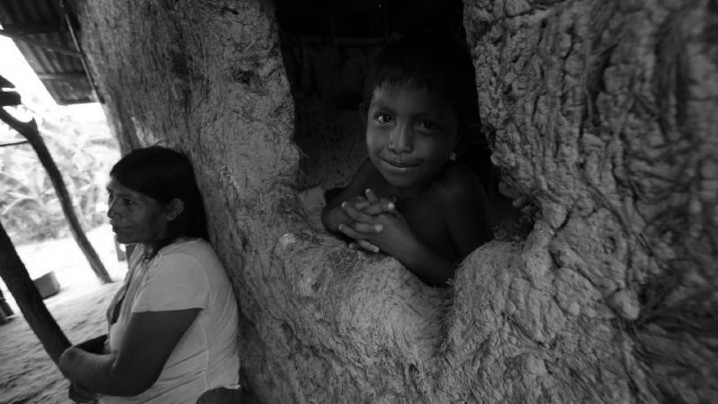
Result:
{"points": [[457, 180], [466, 206]]}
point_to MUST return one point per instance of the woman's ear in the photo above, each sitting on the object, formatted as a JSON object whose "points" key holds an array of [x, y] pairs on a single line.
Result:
{"points": [[174, 209]]}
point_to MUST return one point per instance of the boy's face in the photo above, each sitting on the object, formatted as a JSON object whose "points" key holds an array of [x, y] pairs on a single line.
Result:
{"points": [[410, 135]]}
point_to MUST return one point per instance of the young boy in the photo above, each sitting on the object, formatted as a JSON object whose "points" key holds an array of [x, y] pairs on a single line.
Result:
{"points": [[409, 199]]}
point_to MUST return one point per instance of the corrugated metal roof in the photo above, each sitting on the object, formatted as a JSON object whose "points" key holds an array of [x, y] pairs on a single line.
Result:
{"points": [[40, 31]]}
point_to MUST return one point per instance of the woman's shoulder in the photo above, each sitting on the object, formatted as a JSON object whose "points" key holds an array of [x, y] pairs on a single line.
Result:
{"points": [[198, 248], [182, 244]]}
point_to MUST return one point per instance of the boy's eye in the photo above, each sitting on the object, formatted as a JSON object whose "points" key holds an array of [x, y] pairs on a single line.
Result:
{"points": [[382, 118], [426, 124]]}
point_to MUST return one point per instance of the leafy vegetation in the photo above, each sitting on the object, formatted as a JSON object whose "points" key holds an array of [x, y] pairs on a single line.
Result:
{"points": [[83, 149]]}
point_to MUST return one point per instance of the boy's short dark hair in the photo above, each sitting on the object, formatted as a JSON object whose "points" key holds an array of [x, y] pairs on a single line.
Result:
{"points": [[434, 63]]}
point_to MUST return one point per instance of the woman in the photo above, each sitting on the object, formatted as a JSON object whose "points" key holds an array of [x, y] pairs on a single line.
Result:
{"points": [[173, 324]]}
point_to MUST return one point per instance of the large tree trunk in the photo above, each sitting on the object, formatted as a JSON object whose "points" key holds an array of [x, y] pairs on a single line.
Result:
{"points": [[15, 276], [600, 113], [605, 113]]}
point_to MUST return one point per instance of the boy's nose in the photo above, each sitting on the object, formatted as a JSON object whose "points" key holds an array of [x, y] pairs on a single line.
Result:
{"points": [[402, 139]]}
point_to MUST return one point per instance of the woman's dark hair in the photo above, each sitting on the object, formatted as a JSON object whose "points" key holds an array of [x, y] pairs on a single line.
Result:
{"points": [[164, 174], [434, 63]]}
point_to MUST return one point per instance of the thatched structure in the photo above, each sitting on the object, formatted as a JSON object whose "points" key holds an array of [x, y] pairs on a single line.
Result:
{"points": [[600, 113]]}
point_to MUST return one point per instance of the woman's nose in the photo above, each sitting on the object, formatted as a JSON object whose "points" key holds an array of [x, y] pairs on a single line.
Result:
{"points": [[402, 139], [111, 210]]}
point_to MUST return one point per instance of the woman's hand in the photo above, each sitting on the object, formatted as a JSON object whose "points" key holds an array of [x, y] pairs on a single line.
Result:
{"points": [[79, 394], [68, 360]]}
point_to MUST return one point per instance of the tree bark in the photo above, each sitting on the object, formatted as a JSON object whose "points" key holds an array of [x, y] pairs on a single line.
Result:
{"points": [[600, 114], [603, 114], [29, 131], [18, 281]]}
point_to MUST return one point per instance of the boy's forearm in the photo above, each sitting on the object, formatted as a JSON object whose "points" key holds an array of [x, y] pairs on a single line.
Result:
{"points": [[332, 217]]}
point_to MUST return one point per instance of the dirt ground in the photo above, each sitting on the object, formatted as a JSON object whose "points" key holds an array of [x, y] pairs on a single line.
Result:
{"points": [[27, 374]]}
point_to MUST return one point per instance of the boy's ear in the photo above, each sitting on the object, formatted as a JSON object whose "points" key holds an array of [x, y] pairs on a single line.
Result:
{"points": [[174, 209]]}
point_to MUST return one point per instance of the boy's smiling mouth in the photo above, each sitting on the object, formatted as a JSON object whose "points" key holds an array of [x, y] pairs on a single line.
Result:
{"points": [[401, 165]]}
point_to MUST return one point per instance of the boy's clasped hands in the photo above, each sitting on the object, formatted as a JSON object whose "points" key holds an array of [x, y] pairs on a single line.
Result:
{"points": [[377, 225]]}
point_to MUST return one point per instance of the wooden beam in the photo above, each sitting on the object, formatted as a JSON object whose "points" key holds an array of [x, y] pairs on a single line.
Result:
{"points": [[9, 99], [5, 83], [31, 28], [65, 50], [18, 281], [62, 76], [14, 143]]}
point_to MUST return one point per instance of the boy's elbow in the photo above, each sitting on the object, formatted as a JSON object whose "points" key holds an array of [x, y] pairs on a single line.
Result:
{"points": [[325, 219], [329, 220]]}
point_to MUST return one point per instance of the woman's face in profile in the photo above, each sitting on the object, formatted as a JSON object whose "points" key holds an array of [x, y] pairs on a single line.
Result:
{"points": [[135, 217]]}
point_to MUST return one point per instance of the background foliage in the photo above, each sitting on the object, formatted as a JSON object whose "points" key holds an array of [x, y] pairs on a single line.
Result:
{"points": [[83, 149]]}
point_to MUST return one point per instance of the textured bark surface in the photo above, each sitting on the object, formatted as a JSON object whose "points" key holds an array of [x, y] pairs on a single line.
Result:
{"points": [[604, 113], [600, 112]]}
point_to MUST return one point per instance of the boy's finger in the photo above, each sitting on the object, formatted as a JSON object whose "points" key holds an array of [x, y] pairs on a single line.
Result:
{"points": [[349, 232], [367, 246], [367, 228], [358, 234], [355, 214], [378, 208], [361, 205], [360, 230]]}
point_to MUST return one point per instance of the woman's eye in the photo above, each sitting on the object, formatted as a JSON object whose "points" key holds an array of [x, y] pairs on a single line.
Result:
{"points": [[128, 202], [382, 118]]}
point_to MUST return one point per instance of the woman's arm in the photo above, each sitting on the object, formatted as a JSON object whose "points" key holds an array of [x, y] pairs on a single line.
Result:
{"points": [[149, 340]]}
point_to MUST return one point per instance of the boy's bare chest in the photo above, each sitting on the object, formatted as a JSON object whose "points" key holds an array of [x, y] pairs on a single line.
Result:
{"points": [[427, 220]]}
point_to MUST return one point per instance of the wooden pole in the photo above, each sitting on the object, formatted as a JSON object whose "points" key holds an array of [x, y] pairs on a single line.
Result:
{"points": [[28, 299], [30, 132]]}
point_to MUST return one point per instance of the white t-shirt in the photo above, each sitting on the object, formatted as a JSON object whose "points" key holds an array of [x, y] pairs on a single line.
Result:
{"points": [[184, 275]]}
